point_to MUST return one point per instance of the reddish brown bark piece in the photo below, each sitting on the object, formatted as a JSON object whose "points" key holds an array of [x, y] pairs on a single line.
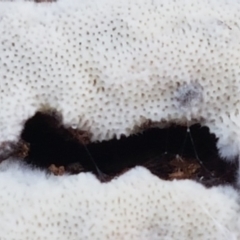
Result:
{"points": [[82, 136], [57, 171], [22, 150], [183, 169]]}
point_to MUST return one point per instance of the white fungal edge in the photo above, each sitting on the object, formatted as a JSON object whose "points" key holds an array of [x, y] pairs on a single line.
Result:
{"points": [[136, 205]]}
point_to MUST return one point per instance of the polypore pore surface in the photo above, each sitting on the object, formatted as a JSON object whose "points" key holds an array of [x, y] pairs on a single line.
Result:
{"points": [[108, 66], [135, 206]]}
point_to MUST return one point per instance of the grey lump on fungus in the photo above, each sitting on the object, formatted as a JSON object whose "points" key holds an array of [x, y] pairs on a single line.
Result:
{"points": [[108, 66], [136, 206]]}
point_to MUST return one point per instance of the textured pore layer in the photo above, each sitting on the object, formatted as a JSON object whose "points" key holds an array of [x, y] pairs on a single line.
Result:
{"points": [[136, 206], [107, 66]]}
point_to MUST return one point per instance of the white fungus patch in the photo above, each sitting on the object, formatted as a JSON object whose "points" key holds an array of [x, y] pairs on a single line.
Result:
{"points": [[136, 206], [107, 65], [188, 96]]}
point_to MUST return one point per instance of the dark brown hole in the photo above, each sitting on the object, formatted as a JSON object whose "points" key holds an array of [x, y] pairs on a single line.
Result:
{"points": [[168, 153]]}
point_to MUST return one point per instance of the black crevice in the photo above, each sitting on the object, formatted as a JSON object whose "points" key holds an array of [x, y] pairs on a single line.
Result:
{"points": [[51, 143]]}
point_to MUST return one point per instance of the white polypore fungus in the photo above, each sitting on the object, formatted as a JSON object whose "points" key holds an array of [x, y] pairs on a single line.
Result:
{"points": [[108, 66], [136, 206]]}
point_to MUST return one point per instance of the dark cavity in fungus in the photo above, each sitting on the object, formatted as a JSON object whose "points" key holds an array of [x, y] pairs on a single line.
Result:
{"points": [[168, 153]]}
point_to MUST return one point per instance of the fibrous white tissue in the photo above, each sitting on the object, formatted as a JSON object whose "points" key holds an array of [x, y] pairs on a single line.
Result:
{"points": [[137, 206], [109, 66]]}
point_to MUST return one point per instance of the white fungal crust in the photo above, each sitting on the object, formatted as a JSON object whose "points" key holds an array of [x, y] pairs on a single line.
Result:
{"points": [[108, 66], [135, 206]]}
